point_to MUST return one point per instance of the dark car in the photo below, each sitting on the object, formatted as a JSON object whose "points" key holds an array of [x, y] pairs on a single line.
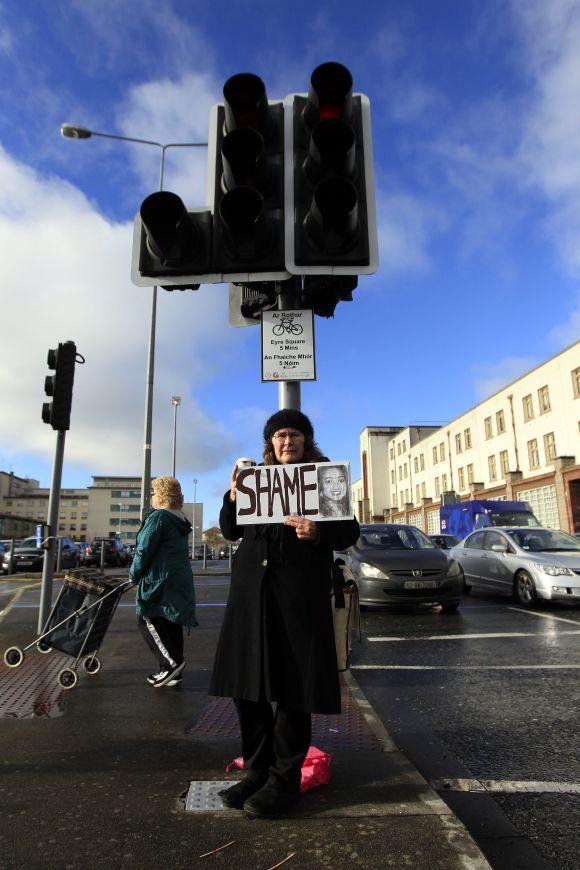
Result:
{"points": [[399, 565], [82, 547], [446, 542], [31, 558], [115, 553]]}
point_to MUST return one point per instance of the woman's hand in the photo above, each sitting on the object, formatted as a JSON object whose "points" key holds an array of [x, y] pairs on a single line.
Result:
{"points": [[233, 488], [306, 530]]}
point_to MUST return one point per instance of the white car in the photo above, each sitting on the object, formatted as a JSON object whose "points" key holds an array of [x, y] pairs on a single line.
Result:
{"points": [[529, 562]]}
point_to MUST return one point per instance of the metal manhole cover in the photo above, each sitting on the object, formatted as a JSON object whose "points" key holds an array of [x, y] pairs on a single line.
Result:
{"points": [[203, 797], [31, 690], [349, 730]]}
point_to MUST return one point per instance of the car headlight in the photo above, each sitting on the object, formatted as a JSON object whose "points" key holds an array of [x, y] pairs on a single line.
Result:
{"points": [[454, 570], [553, 570], [370, 571]]}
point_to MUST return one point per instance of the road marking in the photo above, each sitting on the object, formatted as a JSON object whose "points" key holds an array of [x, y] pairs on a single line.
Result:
{"points": [[386, 639], [12, 603], [465, 667], [543, 615], [505, 785]]}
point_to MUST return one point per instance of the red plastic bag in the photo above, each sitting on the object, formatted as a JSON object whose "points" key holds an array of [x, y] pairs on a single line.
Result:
{"points": [[315, 768]]}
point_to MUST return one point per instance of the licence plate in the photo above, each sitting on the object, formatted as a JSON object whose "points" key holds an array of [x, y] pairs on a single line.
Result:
{"points": [[420, 584], [26, 563]]}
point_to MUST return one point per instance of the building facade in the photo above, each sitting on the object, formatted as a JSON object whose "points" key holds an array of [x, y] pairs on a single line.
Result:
{"points": [[521, 443], [110, 506]]}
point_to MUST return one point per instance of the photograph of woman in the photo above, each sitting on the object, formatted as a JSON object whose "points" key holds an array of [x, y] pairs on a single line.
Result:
{"points": [[277, 639]]}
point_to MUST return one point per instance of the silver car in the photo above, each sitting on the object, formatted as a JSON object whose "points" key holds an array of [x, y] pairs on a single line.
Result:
{"points": [[530, 563]]}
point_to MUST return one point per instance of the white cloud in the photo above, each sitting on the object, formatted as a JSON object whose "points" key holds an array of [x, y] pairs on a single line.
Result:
{"points": [[406, 225], [66, 276], [490, 378]]}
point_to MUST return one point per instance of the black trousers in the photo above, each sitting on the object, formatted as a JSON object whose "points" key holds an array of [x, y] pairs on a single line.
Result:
{"points": [[164, 639], [274, 745]]}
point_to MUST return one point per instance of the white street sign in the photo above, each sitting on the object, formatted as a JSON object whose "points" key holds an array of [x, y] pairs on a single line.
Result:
{"points": [[288, 346]]}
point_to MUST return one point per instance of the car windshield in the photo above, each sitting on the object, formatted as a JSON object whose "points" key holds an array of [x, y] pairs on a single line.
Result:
{"points": [[396, 538], [544, 539], [513, 518]]}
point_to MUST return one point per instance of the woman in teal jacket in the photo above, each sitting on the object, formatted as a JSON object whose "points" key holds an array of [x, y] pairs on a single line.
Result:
{"points": [[161, 567]]}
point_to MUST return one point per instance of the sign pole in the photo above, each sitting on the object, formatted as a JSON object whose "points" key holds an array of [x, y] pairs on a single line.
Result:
{"points": [[289, 397], [53, 504]]}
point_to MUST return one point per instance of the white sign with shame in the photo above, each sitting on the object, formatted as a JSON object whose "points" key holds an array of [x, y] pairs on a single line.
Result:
{"points": [[288, 346], [317, 490]]}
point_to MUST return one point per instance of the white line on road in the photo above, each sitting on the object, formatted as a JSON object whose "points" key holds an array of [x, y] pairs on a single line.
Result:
{"points": [[386, 639], [544, 615], [465, 667], [12, 603], [505, 785]]}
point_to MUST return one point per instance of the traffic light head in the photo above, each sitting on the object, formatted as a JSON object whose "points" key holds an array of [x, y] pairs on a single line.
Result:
{"points": [[330, 203], [60, 386]]}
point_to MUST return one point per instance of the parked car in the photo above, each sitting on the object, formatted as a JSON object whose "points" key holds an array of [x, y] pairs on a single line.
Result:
{"points": [[82, 547], [223, 553], [114, 552], [31, 558], [530, 563], [130, 551], [446, 542], [396, 564]]}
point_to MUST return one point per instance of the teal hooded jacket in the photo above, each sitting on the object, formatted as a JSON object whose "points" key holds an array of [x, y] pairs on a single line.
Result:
{"points": [[162, 568]]}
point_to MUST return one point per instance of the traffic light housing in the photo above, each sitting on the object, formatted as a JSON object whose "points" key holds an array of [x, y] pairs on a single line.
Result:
{"points": [[245, 182], [322, 293], [60, 386], [330, 211], [171, 245]]}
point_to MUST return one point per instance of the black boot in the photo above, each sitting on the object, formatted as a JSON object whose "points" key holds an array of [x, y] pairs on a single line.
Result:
{"points": [[271, 800], [236, 795]]}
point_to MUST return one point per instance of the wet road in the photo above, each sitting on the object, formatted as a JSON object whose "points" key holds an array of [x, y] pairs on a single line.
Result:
{"points": [[485, 704]]}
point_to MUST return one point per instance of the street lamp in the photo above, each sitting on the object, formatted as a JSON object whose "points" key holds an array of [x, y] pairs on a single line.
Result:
{"points": [[175, 401], [72, 131], [194, 501]]}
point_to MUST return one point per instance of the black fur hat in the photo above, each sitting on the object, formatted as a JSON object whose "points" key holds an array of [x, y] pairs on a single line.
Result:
{"points": [[293, 419]]}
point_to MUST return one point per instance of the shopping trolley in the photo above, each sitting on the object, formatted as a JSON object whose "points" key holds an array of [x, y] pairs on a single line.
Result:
{"points": [[77, 622]]}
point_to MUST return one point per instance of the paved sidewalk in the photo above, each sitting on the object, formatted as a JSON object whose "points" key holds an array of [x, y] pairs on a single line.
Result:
{"points": [[97, 776]]}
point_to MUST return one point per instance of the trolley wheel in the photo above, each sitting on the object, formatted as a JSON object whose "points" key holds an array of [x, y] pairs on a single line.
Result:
{"points": [[43, 647], [92, 664], [13, 657], [67, 678]]}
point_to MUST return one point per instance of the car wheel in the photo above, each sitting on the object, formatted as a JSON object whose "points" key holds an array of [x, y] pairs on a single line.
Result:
{"points": [[450, 606], [524, 589]]}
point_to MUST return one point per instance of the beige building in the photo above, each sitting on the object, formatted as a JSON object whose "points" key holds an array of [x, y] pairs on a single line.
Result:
{"points": [[522, 443], [110, 506]]}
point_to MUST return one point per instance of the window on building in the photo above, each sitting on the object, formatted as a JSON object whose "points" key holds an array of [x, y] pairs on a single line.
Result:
{"points": [[442, 452], [404, 446], [491, 464], [417, 495], [423, 490], [125, 493], [488, 429], [467, 438], [83, 527], [437, 487], [544, 400], [422, 462], [504, 462], [444, 482], [400, 472], [61, 527], [470, 475], [550, 446], [402, 497], [528, 407], [73, 516], [399, 449], [533, 453], [73, 527], [435, 460], [394, 498], [458, 447], [392, 452], [405, 470], [407, 496], [500, 422], [393, 476], [461, 474], [576, 382], [416, 463]]}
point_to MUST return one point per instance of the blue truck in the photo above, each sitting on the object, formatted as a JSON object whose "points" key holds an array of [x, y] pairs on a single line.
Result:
{"points": [[464, 517]]}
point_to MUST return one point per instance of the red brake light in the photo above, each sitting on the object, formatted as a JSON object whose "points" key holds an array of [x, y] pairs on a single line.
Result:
{"points": [[328, 110]]}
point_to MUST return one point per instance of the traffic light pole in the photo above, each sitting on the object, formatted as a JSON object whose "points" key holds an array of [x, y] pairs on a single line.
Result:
{"points": [[53, 505], [288, 391]]}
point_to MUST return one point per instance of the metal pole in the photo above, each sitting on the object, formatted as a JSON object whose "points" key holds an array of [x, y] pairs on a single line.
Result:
{"points": [[230, 557], [102, 555], [53, 505], [58, 554], [204, 555], [194, 501], [174, 434], [288, 391]]}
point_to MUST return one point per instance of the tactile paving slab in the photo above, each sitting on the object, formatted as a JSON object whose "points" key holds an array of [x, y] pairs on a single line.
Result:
{"points": [[31, 690], [203, 797], [349, 730]]}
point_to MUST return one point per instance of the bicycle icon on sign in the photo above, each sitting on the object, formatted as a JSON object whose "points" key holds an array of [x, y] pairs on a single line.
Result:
{"points": [[287, 325]]}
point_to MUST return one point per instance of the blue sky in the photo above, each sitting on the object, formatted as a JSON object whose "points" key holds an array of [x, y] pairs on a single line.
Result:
{"points": [[476, 124]]}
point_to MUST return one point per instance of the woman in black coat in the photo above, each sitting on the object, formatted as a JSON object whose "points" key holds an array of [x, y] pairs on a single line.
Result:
{"points": [[277, 639]]}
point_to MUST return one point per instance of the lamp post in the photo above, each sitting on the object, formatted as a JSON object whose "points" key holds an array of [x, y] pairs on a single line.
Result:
{"points": [[194, 502], [120, 511], [176, 402], [71, 131]]}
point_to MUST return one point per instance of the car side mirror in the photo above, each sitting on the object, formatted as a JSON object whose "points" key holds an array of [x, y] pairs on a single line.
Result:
{"points": [[499, 548]]}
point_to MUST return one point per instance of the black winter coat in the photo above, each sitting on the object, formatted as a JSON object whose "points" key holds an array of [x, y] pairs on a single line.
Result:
{"points": [[277, 637]]}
